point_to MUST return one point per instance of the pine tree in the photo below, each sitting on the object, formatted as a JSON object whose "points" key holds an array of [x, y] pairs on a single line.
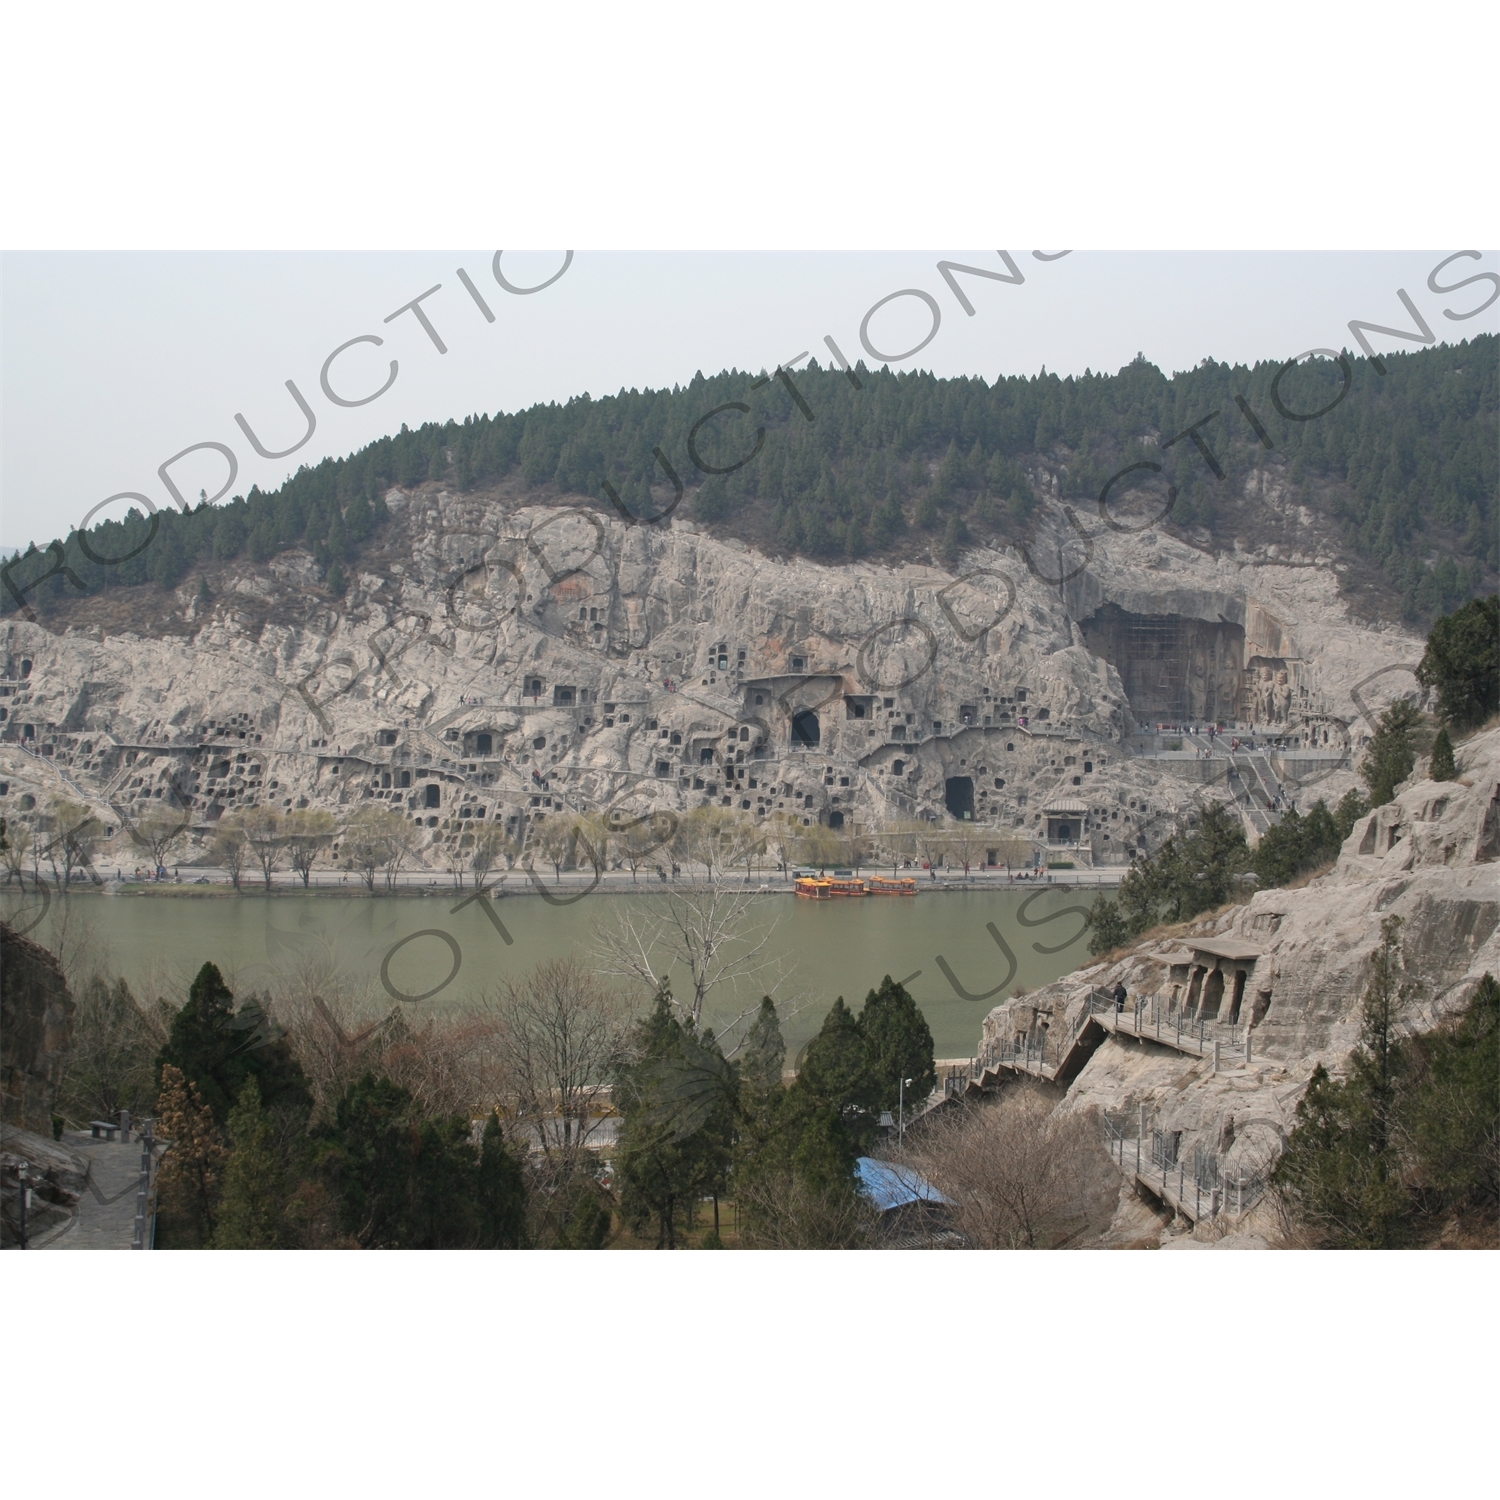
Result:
{"points": [[898, 1045], [1107, 929], [655, 1167], [1352, 807], [1452, 1116], [502, 1192], [358, 522], [763, 1052], [1462, 663], [338, 585], [1341, 1172], [1391, 755], [252, 1208], [217, 1049], [1443, 767], [954, 537]]}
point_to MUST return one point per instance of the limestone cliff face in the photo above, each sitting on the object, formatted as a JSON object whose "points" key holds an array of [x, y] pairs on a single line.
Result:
{"points": [[1428, 857], [497, 661], [36, 1032]]}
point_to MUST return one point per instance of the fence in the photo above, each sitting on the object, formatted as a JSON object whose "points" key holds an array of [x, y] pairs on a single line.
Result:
{"points": [[1172, 1025], [1159, 1164]]}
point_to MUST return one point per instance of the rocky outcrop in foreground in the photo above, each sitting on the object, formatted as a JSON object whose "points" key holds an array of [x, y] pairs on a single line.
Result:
{"points": [[36, 1032], [1227, 1018]]}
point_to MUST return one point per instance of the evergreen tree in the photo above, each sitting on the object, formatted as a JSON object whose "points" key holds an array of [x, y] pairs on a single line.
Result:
{"points": [[675, 1131], [1391, 755], [337, 584], [898, 1044], [1443, 767], [835, 1064], [358, 522], [252, 1209], [371, 1163], [217, 1049], [954, 537], [587, 1225], [1341, 1174], [1352, 807], [1452, 1116], [1107, 927], [1195, 870], [886, 521], [762, 1055], [1462, 663], [501, 1192]]}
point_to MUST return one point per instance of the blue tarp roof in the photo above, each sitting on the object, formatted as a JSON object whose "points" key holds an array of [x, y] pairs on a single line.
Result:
{"points": [[889, 1186]]}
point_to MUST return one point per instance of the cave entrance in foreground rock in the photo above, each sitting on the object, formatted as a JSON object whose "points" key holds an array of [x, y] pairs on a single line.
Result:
{"points": [[958, 797], [1174, 668]]}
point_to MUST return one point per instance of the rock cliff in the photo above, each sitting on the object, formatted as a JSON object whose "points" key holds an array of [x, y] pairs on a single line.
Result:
{"points": [[36, 1032], [1226, 1019], [495, 661]]}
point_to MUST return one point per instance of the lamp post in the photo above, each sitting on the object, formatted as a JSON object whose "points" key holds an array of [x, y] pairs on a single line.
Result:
{"points": [[901, 1107], [24, 1179]]}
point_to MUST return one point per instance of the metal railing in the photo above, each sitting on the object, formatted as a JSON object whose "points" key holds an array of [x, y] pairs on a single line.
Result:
{"points": [[1188, 1030], [1209, 1194]]}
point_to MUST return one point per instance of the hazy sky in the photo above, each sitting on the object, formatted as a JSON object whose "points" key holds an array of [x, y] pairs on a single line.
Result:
{"points": [[114, 362]]}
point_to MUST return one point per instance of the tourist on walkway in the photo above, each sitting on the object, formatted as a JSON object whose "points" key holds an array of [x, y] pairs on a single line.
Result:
{"points": [[1119, 998]]}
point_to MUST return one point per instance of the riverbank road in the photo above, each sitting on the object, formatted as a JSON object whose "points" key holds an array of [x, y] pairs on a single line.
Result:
{"points": [[517, 882], [105, 1219]]}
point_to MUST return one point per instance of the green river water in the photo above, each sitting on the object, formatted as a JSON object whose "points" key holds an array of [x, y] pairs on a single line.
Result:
{"points": [[830, 948]]}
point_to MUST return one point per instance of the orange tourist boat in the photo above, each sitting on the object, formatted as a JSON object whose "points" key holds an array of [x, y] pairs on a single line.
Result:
{"points": [[882, 885], [818, 888]]}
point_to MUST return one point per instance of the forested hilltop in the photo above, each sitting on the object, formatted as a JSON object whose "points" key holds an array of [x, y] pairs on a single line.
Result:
{"points": [[1398, 472]]}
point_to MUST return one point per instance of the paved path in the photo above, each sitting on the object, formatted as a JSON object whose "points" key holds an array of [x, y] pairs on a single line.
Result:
{"points": [[115, 1174]]}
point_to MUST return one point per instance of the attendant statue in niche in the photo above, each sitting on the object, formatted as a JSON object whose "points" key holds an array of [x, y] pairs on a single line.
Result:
{"points": [[1281, 699]]}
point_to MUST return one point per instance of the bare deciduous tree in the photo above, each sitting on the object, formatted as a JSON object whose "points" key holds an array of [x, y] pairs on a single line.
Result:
{"points": [[376, 838], [708, 931], [636, 839], [230, 850], [115, 1042], [159, 828], [489, 845], [557, 840], [1017, 1174], [308, 833], [264, 834], [898, 841], [18, 843], [72, 831], [560, 1032], [786, 1213]]}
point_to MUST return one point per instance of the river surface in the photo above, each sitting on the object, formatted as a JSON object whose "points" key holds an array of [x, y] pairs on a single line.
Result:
{"points": [[959, 952]]}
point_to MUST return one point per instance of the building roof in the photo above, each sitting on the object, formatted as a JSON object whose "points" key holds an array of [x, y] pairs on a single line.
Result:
{"points": [[889, 1186], [1235, 949], [1065, 807]]}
